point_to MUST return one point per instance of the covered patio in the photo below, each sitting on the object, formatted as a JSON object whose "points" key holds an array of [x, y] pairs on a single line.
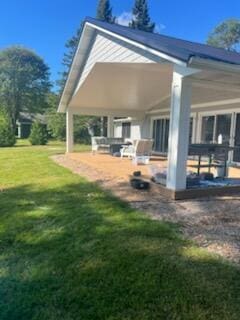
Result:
{"points": [[117, 173], [119, 72]]}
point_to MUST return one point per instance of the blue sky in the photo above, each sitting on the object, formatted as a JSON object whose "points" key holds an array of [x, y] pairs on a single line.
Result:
{"points": [[45, 25]]}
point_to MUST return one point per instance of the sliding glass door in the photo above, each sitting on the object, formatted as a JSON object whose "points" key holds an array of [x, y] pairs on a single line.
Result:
{"points": [[236, 153], [161, 134]]}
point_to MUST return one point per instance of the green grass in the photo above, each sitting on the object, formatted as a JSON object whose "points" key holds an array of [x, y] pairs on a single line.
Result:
{"points": [[69, 250]]}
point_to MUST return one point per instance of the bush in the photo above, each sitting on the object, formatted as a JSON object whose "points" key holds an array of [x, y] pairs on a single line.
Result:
{"points": [[83, 126], [7, 135], [56, 123], [38, 135]]}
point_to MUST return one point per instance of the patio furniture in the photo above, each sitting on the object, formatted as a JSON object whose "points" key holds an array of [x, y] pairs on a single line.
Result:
{"points": [[140, 149], [217, 155], [103, 144], [115, 148]]}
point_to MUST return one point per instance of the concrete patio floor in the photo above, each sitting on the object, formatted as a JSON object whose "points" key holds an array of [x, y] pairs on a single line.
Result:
{"points": [[123, 168]]}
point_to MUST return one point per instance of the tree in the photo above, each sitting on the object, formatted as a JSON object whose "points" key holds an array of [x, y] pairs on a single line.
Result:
{"points": [[141, 18], [56, 122], [104, 11], [24, 82], [92, 124], [7, 135], [38, 135], [226, 35], [84, 126], [71, 46]]}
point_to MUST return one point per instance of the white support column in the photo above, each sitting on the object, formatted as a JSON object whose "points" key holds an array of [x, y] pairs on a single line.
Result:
{"points": [[69, 133], [179, 128], [110, 127], [19, 131]]}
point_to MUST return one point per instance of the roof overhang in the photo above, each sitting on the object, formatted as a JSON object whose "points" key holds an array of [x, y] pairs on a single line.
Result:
{"points": [[103, 77]]}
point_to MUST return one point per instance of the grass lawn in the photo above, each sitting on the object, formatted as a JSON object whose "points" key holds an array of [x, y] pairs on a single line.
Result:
{"points": [[69, 250]]}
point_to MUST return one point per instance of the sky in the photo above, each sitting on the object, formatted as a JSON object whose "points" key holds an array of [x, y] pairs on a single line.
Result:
{"points": [[44, 26]]}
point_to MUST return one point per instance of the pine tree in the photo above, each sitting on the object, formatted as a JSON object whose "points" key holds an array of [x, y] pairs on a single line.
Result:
{"points": [[104, 11], [71, 46], [141, 18], [7, 135]]}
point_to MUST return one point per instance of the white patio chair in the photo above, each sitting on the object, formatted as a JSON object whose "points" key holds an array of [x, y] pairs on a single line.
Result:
{"points": [[140, 148]]}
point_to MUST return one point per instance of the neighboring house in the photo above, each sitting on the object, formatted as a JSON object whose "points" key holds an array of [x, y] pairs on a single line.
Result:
{"points": [[24, 123], [168, 89]]}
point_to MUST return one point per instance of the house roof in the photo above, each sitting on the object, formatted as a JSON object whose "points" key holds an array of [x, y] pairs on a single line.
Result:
{"points": [[177, 48], [177, 51], [26, 117]]}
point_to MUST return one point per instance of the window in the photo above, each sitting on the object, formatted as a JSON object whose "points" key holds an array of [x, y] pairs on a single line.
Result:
{"points": [[223, 128], [207, 129], [236, 153], [126, 130], [191, 131], [216, 128]]}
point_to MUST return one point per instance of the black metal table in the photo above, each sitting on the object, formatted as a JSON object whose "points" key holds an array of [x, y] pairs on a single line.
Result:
{"points": [[214, 152], [114, 148]]}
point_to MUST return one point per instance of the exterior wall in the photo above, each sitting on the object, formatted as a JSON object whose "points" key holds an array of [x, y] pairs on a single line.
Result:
{"points": [[136, 129], [144, 129], [117, 129]]}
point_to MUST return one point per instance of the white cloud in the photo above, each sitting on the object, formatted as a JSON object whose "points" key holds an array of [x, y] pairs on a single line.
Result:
{"points": [[159, 28], [125, 18]]}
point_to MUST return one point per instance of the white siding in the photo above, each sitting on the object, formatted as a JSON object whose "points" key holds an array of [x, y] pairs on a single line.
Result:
{"points": [[118, 130], [107, 49], [136, 129]]}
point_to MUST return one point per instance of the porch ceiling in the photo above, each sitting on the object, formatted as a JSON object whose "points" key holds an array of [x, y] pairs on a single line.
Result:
{"points": [[141, 87], [124, 86]]}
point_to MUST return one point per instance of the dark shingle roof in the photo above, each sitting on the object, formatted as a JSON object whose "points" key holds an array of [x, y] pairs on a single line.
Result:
{"points": [[177, 48], [27, 117]]}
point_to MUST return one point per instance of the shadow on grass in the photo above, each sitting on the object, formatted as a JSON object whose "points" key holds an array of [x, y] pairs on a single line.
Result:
{"points": [[75, 252]]}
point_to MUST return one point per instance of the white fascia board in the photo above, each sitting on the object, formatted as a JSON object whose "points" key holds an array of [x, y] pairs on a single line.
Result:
{"points": [[100, 112], [204, 64], [141, 46], [128, 119], [76, 67]]}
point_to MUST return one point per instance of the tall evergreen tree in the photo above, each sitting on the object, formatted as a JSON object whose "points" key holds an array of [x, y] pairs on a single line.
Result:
{"points": [[104, 11], [141, 18], [71, 46]]}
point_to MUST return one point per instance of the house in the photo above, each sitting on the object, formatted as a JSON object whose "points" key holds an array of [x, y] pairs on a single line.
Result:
{"points": [[24, 123], [168, 89]]}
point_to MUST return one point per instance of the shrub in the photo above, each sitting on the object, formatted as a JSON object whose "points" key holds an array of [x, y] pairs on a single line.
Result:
{"points": [[56, 123], [7, 135], [38, 135]]}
